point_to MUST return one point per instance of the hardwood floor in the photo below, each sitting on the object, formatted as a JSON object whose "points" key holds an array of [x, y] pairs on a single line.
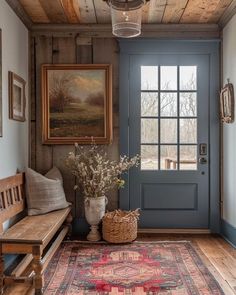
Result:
{"points": [[218, 255]]}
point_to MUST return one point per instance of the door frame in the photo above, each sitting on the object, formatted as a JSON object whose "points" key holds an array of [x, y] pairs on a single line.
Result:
{"points": [[152, 47]]}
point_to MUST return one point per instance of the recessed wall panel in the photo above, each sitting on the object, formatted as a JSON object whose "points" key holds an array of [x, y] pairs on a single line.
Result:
{"points": [[169, 196]]}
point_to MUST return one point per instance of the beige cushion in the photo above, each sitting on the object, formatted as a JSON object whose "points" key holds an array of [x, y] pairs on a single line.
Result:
{"points": [[45, 193]]}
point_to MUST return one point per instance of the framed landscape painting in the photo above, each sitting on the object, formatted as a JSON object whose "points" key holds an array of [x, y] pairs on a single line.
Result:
{"points": [[77, 104]]}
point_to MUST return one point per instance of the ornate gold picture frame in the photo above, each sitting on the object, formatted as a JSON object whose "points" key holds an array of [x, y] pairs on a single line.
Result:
{"points": [[77, 103]]}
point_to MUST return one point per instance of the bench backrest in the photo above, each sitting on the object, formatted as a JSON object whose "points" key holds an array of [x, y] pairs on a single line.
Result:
{"points": [[12, 197]]}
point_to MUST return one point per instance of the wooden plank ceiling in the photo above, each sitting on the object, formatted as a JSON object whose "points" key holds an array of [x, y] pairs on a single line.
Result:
{"points": [[97, 11]]}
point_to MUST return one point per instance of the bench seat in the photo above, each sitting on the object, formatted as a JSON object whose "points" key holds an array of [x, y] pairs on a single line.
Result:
{"points": [[36, 229], [19, 289]]}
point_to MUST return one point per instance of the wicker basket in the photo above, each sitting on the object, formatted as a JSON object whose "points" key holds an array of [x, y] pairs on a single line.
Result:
{"points": [[120, 226]]}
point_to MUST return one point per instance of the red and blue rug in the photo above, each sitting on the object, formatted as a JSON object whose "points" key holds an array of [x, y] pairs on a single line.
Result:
{"points": [[164, 268]]}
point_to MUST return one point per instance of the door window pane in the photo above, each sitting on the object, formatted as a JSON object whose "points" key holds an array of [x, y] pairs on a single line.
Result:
{"points": [[168, 157], [149, 77], [188, 77], [188, 157], [169, 117], [149, 131], [188, 130], [168, 131], [149, 157], [169, 78], [188, 104], [149, 104], [168, 104]]}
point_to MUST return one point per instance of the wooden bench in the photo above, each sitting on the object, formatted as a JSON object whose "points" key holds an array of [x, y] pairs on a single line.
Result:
{"points": [[37, 237]]}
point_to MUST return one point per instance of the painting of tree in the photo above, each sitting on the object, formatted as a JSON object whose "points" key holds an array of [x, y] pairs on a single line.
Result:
{"points": [[79, 102]]}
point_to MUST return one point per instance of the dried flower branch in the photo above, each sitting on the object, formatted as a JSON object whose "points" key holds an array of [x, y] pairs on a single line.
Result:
{"points": [[95, 172]]}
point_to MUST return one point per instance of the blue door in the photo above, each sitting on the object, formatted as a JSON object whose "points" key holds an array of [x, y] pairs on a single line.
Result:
{"points": [[169, 127]]}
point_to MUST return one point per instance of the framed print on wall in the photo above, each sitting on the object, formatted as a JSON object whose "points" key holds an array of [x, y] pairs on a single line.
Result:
{"points": [[76, 103], [17, 99]]}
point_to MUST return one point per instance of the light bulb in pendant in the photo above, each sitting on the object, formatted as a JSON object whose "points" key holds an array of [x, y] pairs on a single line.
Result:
{"points": [[126, 16]]}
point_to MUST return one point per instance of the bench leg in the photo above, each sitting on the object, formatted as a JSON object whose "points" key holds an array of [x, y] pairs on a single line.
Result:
{"points": [[38, 267], [1, 271], [68, 222]]}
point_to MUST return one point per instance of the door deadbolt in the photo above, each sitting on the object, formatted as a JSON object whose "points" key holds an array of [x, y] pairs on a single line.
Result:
{"points": [[202, 160], [203, 149]]}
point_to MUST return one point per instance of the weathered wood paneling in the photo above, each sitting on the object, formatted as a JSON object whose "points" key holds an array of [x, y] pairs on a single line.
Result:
{"points": [[37, 14], [87, 12], [43, 54], [167, 31], [220, 9], [84, 50], [71, 11], [76, 8], [145, 13], [110, 48], [98, 12], [102, 12], [193, 11], [202, 11], [64, 52], [32, 95], [84, 55], [33, 145], [32, 79], [78, 49], [174, 11], [211, 11], [156, 11], [54, 11]]}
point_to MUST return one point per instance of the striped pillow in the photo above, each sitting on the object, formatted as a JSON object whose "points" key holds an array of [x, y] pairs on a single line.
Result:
{"points": [[44, 193]]}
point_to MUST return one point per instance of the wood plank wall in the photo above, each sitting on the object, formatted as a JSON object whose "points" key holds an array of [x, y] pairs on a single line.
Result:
{"points": [[56, 50]]}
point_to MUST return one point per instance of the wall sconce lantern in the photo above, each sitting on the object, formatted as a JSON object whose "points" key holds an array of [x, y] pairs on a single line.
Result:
{"points": [[227, 103], [126, 16]]}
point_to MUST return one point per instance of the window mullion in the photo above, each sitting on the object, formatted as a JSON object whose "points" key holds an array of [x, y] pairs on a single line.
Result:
{"points": [[178, 121]]}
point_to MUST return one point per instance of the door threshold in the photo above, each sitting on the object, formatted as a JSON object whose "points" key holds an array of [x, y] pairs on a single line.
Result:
{"points": [[174, 231]]}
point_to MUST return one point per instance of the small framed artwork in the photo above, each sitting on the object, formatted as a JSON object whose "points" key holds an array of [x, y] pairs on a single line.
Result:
{"points": [[77, 103], [227, 103], [17, 99]]}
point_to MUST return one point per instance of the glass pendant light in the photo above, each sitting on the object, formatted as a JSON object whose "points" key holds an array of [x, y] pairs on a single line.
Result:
{"points": [[126, 16]]}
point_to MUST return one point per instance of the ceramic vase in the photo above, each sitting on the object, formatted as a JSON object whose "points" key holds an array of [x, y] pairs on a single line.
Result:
{"points": [[95, 209]]}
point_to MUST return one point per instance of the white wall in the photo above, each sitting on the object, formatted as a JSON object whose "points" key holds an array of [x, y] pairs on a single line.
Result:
{"points": [[14, 143], [229, 130]]}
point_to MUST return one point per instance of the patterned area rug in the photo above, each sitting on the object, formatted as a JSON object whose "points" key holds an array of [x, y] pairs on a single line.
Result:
{"points": [[163, 268]]}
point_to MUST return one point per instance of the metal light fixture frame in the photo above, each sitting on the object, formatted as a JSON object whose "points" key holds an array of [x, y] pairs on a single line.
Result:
{"points": [[130, 7], [126, 5]]}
